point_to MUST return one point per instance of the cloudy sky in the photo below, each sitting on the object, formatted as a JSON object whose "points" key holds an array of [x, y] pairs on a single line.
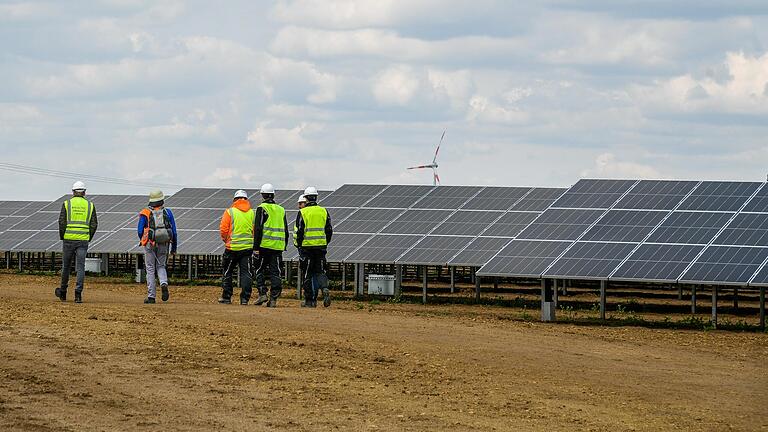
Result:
{"points": [[326, 92]]}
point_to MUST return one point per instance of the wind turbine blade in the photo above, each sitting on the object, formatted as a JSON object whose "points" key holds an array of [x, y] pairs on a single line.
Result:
{"points": [[437, 178], [434, 160], [419, 167]]}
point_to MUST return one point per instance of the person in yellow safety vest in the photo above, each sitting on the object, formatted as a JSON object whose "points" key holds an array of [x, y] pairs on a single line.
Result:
{"points": [[237, 231], [77, 225], [313, 233], [270, 240]]}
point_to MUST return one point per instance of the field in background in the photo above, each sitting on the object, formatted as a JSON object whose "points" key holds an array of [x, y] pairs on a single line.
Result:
{"points": [[116, 364]]}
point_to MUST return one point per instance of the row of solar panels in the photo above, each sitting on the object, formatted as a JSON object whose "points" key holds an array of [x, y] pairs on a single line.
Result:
{"points": [[660, 231]]}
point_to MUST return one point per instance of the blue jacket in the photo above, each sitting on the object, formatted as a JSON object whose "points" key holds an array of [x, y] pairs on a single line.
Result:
{"points": [[143, 224]]}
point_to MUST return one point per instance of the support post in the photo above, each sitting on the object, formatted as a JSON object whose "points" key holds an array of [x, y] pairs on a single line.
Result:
{"points": [[343, 277], [554, 293], [714, 306], [693, 300], [735, 298], [547, 305], [477, 286], [603, 286], [565, 287], [424, 286], [762, 308], [189, 267], [679, 292], [288, 270], [195, 260], [21, 258], [105, 264], [8, 260], [453, 280], [398, 280]]}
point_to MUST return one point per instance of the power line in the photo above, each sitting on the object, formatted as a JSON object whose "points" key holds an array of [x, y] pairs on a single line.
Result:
{"points": [[24, 169]]}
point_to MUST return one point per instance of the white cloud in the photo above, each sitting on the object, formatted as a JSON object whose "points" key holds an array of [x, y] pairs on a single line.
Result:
{"points": [[395, 86], [744, 89], [608, 166], [26, 11], [266, 139], [482, 109]]}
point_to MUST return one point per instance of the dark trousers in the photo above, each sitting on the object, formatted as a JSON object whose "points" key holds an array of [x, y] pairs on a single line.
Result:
{"points": [[312, 265], [268, 265], [73, 249], [229, 261]]}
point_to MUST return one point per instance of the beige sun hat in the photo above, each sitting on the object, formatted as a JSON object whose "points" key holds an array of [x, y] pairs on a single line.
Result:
{"points": [[156, 195]]}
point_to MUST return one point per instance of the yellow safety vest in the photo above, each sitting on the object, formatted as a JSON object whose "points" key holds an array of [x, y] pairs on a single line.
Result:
{"points": [[241, 233], [273, 232], [315, 218], [79, 211]]}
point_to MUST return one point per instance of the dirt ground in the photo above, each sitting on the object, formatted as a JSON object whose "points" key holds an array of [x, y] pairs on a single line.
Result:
{"points": [[114, 363]]}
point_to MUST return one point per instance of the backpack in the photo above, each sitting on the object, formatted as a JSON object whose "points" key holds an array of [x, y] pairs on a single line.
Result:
{"points": [[159, 226]]}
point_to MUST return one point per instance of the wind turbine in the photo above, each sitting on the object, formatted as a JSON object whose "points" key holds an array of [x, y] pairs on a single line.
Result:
{"points": [[433, 165]]}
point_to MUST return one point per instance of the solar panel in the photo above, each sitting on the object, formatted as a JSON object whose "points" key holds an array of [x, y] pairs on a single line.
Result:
{"points": [[538, 199], [747, 229], [560, 224], [200, 242], [594, 193], [198, 219], [434, 250], [624, 226], [759, 202], [9, 221], [8, 208], [351, 195], [383, 249], [124, 240], [524, 258], [689, 228], [726, 265], [40, 241], [447, 197], [344, 244], [9, 239], [416, 221], [510, 224], [367, 220], [218, 199], [479, 251], [590, 260], [496, 198], [399, 196], [55, 205], [467, 222], [657, 262], [104, 203], [112, 221], [131, 204], [761, 278], [719, 196], [656, 195], [38, 222]]}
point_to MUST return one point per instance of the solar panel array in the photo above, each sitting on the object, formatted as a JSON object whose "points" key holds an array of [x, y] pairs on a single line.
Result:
{"points": [[646, 230]]}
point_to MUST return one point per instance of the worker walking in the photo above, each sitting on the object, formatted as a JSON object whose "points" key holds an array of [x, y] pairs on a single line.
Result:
{"points": [[312, 233], [237, 231], [77, 225], [157, 234], [270, 240]]}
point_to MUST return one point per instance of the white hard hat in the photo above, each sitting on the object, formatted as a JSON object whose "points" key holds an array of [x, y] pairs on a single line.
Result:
{"points": [[267, 188], [78, 186], [302, 199], [241, 194], [310, 191]]}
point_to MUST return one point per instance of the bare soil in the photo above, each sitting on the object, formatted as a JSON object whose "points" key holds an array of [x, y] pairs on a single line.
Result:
{"points": [[116, 364]]}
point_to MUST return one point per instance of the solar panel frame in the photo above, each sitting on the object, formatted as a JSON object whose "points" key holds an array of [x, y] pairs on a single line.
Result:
{"points": [[447, 197], [689, 227], [367, 220], [9, 208], [343, 244], [759, 202], [479, 251], [656, 195], [40, 241], [590, 260], [719, 196], [725, 265], [434, 250], [653, 262], [624, 226], [351, 195], [496, 198], [594, 194], [383, 249], [538, 199], [467, 222], [203, 242], [746, 229], [560, 224], [510, 224], [398, 196], [416, 221], [524, 258]]}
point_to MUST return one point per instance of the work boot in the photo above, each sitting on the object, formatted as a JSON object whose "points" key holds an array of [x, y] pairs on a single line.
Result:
{"points": [[223, 300], [262, 299], [272, 303], [62, 295], [149, 300], [326, 297], [313, 303], [166, 294], [78, 297]]}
